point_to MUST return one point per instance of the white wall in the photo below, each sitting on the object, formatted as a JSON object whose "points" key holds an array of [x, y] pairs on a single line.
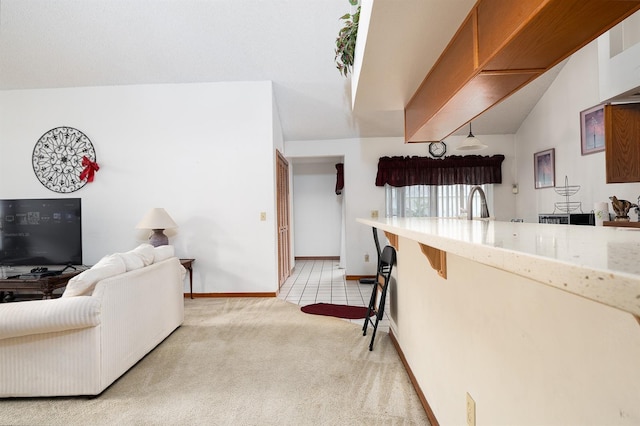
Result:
{"points": [[555, 123], [204, 152], [317, 210], [361, 196], [618, 68]]}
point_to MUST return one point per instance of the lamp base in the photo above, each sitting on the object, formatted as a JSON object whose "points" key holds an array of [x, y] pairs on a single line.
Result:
{"points": [[158, 238]]}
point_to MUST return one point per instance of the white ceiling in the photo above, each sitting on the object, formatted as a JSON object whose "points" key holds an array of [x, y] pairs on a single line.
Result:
{"points": [[70, 43]]}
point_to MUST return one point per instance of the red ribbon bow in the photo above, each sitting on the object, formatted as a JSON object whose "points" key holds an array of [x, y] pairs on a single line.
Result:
{"points": [[90, 168]]}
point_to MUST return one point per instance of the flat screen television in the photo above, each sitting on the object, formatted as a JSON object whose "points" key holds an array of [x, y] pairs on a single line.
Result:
{"points": [[41, 232]]}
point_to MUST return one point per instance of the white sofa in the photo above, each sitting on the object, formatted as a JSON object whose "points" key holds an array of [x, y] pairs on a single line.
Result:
{"points": [[82, 342]]}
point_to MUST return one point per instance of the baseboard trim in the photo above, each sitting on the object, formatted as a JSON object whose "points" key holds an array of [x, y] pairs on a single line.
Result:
{"points": [[357, 277], [414, 381], [317, 258], [202, 295]]}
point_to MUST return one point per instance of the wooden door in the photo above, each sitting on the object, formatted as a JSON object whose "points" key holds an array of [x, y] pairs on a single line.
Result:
{"points": [[282, 207]]}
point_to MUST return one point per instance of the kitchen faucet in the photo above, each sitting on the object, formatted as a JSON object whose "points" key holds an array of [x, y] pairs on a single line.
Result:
{"points": [[483, 203]]}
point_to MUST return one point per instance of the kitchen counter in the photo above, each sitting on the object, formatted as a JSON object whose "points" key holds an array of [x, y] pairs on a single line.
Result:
{"points": [[475, 310], [599, 263]]}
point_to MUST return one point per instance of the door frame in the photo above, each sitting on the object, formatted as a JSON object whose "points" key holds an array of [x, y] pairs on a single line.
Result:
{"points": [[283, 218]]}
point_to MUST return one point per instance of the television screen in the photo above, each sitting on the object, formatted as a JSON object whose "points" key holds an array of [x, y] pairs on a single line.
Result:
{"points": [[41, 232]]}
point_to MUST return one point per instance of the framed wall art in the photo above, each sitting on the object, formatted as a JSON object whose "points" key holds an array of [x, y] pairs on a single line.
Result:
{"points": [[592, 130], [544, 168], [64, 159]]}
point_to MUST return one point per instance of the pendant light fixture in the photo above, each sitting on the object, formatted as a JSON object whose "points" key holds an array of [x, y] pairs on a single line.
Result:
{"points": [[471, 143]]}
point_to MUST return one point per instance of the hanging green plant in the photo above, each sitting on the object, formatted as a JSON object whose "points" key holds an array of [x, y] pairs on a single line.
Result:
{"points": [[346, 42]]}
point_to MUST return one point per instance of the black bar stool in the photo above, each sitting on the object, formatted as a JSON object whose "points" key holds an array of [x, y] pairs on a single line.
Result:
{"points": [[379, 293]]}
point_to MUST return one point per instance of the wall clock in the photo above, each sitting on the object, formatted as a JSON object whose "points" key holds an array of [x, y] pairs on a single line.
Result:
{"points": [[57, 159], [437, 149]]}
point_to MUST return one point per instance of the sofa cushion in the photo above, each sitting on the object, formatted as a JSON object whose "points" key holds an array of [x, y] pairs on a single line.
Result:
{"points": [[84, 283], [145, 251], [161, 253], [131, 260]]}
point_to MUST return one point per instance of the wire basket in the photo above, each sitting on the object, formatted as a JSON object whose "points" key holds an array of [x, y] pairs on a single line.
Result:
{"points": [[567, 206], [567, 190]]}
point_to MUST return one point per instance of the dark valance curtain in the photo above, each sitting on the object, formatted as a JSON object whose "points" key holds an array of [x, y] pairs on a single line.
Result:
{"points": [[339, 178], [468, 170]]}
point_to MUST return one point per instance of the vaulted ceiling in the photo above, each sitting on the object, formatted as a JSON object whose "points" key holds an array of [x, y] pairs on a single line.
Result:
{"points": [[73, 43]]}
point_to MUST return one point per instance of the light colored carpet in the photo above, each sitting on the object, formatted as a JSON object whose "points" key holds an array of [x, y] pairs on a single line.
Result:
{"points": [[247, 361]]}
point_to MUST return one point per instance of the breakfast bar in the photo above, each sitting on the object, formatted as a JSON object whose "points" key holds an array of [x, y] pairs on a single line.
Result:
{"points": [[537, 323]]}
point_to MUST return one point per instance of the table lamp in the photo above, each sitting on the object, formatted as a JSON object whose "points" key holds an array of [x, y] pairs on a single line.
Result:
{"points": [[157, 219]]}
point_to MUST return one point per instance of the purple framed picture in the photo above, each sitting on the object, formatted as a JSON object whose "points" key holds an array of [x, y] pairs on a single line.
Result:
{"points": [[544, 168], [592, 130]]}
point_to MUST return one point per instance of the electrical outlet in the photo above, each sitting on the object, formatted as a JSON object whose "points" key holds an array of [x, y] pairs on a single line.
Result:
{"points": [[366, 257], [471, 411], [374, 214], [263, 216]]}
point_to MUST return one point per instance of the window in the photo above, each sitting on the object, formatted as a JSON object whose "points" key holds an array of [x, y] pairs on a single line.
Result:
{"points": [[433, 200]]}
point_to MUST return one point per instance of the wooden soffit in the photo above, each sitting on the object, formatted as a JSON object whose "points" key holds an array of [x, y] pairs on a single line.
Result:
{"points": [[501, 46]]}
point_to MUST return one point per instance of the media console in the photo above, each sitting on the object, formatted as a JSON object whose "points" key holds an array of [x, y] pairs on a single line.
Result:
{"points": [[45, 285], [38, 272]]}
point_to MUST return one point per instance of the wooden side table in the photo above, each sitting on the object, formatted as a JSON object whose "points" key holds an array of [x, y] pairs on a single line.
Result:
{"points": [[188, 265]]}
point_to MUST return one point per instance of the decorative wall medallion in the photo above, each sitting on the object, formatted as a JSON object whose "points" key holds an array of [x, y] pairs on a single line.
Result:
{"points": [[57, 158]]}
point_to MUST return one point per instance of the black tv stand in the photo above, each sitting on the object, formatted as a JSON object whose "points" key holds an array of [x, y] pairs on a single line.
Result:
{"points": [[67, 267]]}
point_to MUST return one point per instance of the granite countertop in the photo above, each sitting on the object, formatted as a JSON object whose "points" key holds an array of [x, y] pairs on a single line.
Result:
{"points": [[599, 263]]}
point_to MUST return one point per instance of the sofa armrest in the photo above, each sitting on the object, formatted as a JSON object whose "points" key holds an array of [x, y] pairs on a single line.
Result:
{"points": [[46, 316]]}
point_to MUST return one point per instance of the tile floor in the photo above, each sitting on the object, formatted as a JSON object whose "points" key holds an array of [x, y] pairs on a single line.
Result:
{"points": [[315, 281]]}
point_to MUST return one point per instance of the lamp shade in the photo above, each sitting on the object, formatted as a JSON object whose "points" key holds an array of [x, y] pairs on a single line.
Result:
{"points": [[471, 143], [156, 218]]}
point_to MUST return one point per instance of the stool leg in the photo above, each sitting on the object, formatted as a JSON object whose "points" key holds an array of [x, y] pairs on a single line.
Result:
{"points": [[370, 309], [379, 315]]}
